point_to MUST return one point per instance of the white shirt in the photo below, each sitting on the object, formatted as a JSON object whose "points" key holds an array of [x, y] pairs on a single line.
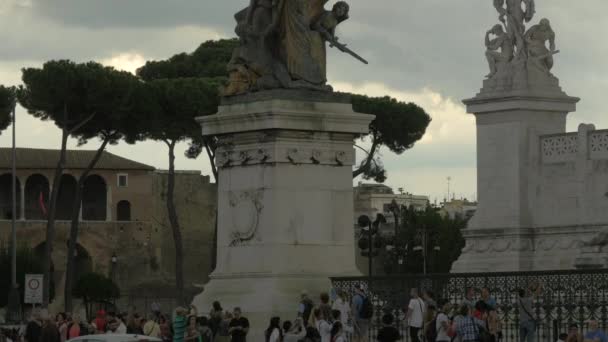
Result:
{"points": [[340, 339], [417, 316], [275, 336], [293, 337], [324, 330], [442, 333], [344, 309]]}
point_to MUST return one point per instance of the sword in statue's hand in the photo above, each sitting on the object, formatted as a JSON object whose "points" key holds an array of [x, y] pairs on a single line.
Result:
{"points": [[333, 42]]}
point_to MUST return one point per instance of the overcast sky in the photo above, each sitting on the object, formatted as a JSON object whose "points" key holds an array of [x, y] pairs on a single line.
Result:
{"points": [[426, 51]]}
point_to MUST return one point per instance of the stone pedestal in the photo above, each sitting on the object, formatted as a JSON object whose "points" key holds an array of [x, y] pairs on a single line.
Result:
{"points": [[504, 234], [285, 200]]}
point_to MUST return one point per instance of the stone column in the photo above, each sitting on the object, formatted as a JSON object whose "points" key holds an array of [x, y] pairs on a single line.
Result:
{"points": [[285, 200], [22, 214]]}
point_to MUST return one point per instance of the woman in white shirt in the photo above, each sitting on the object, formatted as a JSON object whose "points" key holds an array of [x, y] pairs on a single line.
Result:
{"points": [[274, 332], [342, 305], [323, 327]]}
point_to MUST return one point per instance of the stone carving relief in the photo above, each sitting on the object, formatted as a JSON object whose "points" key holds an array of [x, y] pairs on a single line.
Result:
{"points": [[248, 207], [520, 245]]}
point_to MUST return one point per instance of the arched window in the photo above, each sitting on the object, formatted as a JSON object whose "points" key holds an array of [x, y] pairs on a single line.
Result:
{"points": [[36, 197], [94, 199], [6, 197], [65, 198], [123, 211]]}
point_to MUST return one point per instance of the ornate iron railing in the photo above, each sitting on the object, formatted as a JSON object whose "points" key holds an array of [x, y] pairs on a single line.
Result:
{"points": [[567, 297]]}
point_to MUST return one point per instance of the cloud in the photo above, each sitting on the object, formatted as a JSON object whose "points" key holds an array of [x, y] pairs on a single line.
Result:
{"points": [[125, 61], [447, 149]]}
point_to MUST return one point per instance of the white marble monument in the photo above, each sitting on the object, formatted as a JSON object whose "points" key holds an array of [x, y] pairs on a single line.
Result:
{"points": [[542, 191], [285, 200]]}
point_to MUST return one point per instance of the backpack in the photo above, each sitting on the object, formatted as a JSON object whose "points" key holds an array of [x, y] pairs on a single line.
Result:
{"points": [[430, 332], [367, 308]]}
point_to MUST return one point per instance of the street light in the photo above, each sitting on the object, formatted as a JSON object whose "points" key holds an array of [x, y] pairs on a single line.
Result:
{"points": [[113, 262], [370, 239]]}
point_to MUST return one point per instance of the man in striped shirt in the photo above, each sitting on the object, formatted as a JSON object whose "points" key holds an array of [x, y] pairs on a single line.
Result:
{"points": [[179, 324]]}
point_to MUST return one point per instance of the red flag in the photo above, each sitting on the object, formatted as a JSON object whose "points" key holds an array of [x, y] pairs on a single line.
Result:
{"points": [[41, 203]]}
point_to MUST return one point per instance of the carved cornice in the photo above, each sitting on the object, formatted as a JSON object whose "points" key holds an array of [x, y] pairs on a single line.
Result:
{"points": [[284, 154]]}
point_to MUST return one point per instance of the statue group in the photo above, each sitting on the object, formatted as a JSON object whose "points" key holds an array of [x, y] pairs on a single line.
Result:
{"points": [[283, 45], [512, 48]]}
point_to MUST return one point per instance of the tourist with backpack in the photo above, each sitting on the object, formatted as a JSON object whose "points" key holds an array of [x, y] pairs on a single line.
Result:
{"points": [[363, 312], [415, 315]]}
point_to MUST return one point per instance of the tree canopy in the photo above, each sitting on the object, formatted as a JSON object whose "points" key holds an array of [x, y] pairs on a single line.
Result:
{"points": [[7, 102], [208, 60], [397, 126], [443, 232], [177, 103], [94, 287], [88, 99]]}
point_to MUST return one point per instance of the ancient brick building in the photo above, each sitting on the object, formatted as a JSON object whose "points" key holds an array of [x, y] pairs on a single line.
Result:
{"points": [[124, 231]]}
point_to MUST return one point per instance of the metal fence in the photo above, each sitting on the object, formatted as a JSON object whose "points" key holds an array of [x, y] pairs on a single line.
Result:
{"points": [[567, 297]]}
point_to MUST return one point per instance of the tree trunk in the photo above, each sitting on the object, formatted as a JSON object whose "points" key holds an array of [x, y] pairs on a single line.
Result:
{"points": [[50, 224], [69, 273], [368, 162], [177, 234]]}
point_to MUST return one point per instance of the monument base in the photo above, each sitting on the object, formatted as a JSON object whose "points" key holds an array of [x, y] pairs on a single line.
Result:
{"points": [[261, 297], [285, 201], [523, 249]]}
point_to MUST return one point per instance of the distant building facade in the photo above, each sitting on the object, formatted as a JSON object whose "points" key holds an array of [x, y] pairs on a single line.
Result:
{"points": [[372, 199], [124, 229], [462, 208]]}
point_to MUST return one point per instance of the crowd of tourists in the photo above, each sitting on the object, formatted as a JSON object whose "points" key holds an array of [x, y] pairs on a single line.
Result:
{"points": [[337, 316]]}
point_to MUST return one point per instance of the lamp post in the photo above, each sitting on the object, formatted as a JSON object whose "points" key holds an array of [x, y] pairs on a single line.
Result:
{"points": [[423, 237], [113, 262], [370, 238], [14, 302]]}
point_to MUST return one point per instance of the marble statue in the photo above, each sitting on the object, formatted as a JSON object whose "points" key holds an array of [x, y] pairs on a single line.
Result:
{"points": [[283, 45], [502, 42], [536, 38], [519, 59], [515, 18]]}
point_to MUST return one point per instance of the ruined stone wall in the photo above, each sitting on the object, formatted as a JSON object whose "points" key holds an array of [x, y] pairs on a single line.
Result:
{"points": [[196, 200]]}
